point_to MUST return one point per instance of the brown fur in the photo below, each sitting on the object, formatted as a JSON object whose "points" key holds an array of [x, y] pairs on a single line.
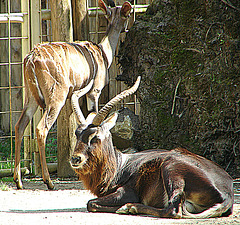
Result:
{"points": [[98, 172], [172, 184]]}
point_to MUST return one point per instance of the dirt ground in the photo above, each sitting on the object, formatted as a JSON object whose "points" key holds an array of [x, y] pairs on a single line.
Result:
{"points": [[67, 205]]}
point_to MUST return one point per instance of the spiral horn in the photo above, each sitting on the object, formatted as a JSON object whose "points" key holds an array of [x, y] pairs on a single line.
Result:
{"points": [[105, 109]]}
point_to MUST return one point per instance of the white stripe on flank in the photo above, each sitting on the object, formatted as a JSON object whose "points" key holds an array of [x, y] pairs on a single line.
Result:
{"points": [[36, 81], [63, 72], [75, 46], [50, 56]]}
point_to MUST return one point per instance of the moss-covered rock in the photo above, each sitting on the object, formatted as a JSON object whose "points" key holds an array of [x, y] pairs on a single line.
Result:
{"points": [[187, 53]]}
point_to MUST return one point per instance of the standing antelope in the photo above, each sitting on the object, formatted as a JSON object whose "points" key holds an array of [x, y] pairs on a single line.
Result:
{"points": [[56, 71], [172, 184]]}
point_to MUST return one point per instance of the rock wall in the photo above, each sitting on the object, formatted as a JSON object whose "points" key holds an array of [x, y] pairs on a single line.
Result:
{"points": [[188, 54]]}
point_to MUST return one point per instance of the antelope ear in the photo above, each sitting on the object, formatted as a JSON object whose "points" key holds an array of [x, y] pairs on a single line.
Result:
{"points": [[110, 122], [104, 8], [126, 9]]}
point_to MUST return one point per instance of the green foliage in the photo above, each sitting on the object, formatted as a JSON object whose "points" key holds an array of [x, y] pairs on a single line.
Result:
{"points": [[4, 186], [51, 149], [6, 179], [4, 183], [5, 151]]}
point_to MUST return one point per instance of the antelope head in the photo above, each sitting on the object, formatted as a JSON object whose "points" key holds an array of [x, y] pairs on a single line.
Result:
{"points": [[94, 136], [117, 21], [112, 14]]}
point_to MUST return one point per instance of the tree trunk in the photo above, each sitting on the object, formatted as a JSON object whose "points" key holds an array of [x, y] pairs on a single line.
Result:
{"points": [[66, 125], [80, 20], [61, 18], [62, 29], [80, 33]]}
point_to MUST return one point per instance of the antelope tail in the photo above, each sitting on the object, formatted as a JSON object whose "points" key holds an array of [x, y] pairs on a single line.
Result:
{"points": [[215, 211]]}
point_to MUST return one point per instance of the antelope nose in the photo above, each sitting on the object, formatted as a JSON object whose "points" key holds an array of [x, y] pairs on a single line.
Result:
{"points": [[76, 160]]}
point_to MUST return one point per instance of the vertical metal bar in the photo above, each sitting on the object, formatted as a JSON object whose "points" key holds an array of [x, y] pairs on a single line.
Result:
{"points": [[49, 31], [40, 19], [36, 37], [134, 10], [9, 80], [96, 22], [25, 50]]}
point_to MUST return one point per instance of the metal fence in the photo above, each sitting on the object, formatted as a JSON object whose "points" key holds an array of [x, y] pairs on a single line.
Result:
{"points": [[23, 24], [14, 43]]}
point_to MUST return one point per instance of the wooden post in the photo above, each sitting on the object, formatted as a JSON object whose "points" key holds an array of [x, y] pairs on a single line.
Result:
{"points": [[62, 30], [80, 20], [35, 39], [66, 124], [25, 49], [61, 18], [80, 33]]}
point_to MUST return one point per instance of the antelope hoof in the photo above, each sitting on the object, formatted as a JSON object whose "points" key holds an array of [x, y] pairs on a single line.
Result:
{"points": [[49, 184], [18, 183], [127, 209]]}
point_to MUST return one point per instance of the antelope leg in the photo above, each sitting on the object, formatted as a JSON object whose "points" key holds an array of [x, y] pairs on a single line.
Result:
{"points": [[174, 210], [75, 104], [49, 117], [112, 202], [27, 114]]}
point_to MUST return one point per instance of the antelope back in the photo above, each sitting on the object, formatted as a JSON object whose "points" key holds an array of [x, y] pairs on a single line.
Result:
{"points": [[51, 65]]}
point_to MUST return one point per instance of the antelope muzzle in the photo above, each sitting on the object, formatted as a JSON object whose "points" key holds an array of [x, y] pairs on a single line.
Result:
{"points": [[77, 161]]}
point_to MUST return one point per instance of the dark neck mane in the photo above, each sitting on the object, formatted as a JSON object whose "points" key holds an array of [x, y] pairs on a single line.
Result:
{"points": [[103, 169]]}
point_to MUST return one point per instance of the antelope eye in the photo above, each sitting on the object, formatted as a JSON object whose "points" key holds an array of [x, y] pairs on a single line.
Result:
{"points": [[77, 133], [93, 140]]}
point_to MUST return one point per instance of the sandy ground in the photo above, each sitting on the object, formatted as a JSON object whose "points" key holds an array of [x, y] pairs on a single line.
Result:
{"points": [[67, 205]]}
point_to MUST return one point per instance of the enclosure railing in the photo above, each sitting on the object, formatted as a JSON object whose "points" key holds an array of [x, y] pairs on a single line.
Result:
{"points": [[9, 64]]}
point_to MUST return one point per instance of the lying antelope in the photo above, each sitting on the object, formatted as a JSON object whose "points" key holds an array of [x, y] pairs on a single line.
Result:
{"points": [[172, 184], [56, 71]]}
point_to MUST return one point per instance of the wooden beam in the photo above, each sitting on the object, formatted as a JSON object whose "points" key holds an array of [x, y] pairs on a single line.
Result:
{"points": [[52, 168], [61, 17], [35, 39], [25, 49], [138, 9], [62, 30], [12, 17], [80, 20], [46, 14]]}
